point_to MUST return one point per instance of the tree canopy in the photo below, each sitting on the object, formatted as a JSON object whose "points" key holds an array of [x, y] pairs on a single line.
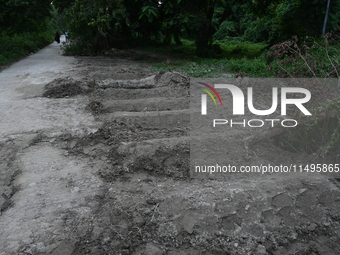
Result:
{"points": [[18, 16], [99, 24]]}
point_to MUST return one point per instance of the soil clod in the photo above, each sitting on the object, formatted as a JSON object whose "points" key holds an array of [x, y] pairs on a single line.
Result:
{"points": [[65, 87]]}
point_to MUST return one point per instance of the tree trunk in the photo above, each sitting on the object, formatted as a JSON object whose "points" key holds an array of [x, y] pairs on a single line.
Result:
{"points": [[206, 31]]}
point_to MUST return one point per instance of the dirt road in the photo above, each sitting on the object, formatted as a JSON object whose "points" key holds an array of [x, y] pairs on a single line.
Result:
{"points": [[95, 160], [44, 171]]}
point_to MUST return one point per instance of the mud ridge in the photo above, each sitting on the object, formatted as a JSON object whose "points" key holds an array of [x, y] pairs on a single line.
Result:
{"points": [[66, 87]]}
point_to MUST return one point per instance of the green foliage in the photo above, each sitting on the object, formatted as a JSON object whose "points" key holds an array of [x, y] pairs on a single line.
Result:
{"points": [[306, 17], [107, 24], [14, 47], [260, 29], [24, 28], [246, 25], [295, 17], [309, 58], [20, 16], [236, 49], [226, 30], [236, 57], [254, 67], [78, 47], [149, 12], [201, 68], [146, 20], [104, 24], [94, 26], [218, 68]]}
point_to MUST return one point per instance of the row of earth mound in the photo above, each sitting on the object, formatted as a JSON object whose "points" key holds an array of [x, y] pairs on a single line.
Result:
{"points": [[145, 123], [146, 128]]}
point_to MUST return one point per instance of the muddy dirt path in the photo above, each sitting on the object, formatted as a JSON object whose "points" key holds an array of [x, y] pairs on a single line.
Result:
{"points": [[42, 172], [94, 157]]}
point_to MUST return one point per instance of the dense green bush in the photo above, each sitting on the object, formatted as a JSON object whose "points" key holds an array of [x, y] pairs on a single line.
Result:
{"points": [[260, 30], [256, 67], [14, 47], [227, 29], [237, 49]]}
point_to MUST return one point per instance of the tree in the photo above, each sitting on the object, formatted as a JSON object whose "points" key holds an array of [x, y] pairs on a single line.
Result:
{"points": [[150, 19], [107, 23], [18, 16], [298, 17], [200, 18]]}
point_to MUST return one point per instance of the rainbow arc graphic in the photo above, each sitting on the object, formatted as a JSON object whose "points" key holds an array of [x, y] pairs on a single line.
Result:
{"points": [[211, 92]]}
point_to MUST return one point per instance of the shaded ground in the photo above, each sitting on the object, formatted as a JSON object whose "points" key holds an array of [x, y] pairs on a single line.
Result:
{"points": [[95, 160]]}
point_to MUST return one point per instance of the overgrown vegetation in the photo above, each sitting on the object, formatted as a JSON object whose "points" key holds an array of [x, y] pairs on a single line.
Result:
{"points": [[25, 27], [255, 67], [100, 25], [14, 47], [232, 56], [309, 58], [293, 58]]}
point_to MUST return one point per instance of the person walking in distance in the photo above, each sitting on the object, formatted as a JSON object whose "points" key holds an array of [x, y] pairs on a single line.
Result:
{"points": [[57, 37]]}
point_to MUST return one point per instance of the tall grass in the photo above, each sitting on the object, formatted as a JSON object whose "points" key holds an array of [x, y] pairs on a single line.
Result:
{"points": [[17, 46], [230, 57]]}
